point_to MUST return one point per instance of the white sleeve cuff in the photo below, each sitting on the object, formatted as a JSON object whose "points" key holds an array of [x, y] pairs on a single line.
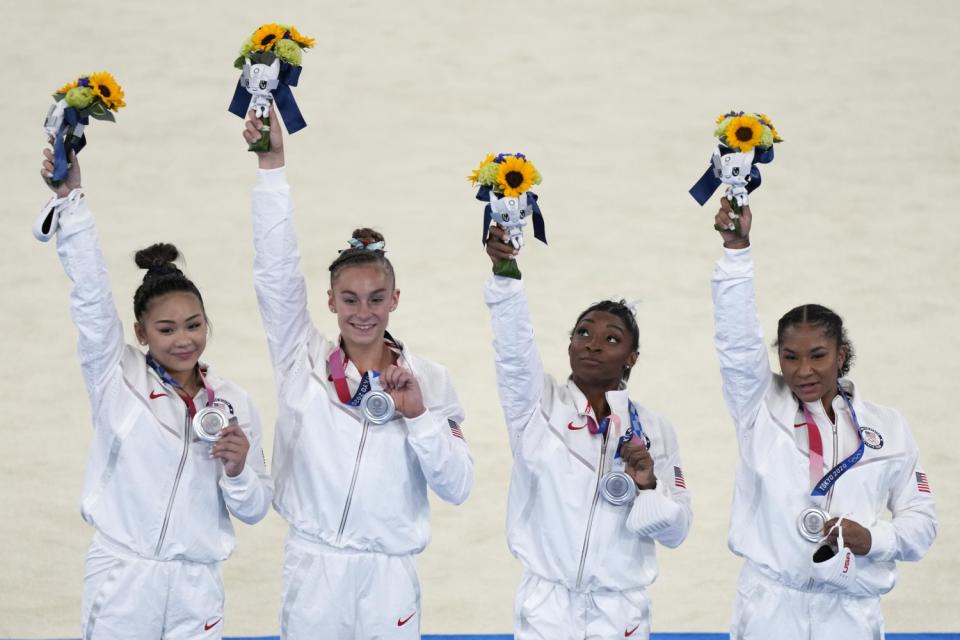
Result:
{"points": [[239, 483], [423, 425], [500, 288], [883, 541], [272, 179], [652, 513]]}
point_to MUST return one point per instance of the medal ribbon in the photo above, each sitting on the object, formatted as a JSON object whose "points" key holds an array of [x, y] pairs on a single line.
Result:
{"points": [[167, 379], [337, 362], [826, 482], [635, 430]]}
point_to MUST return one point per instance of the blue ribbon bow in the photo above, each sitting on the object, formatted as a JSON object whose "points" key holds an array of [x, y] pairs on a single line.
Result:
{"points": [[709, 182], [539, 231], [282, 96], [64, 143]]}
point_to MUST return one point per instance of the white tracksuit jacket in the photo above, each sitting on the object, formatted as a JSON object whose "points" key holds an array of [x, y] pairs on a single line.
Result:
{"points": [[339, 481], [558, 526], [150, 486], [772, 476]]}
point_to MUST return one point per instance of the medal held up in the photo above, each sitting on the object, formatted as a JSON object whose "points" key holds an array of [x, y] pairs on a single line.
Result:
{"points": [[270, 63], [505, 181], [95, 95], [746, 140]]}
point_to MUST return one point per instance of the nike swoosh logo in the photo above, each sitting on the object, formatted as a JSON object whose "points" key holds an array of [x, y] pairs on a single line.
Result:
{"points": [[627, 634], [571, 426], [400, 622], [153, 396], [211, 625]]}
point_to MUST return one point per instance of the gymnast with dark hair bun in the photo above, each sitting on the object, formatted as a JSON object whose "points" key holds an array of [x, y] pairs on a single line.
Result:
{"points": [[597, 481], [365, 427], [176, 448]]}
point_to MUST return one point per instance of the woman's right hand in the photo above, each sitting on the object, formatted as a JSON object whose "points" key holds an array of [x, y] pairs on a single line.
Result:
{"points": [[498, 247], [724, 224], [73, 174], [272, 159]]}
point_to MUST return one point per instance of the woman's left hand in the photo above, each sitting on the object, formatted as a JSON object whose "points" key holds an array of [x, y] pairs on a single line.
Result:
{"points": [[639, 464], [856, 537], [232, 449], [403, 387]]}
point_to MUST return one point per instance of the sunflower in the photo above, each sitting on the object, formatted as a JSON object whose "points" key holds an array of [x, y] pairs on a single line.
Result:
{"points": [[474, 176], [514, 176], [743, 133], [107, 90], [266, 36], [299, 38]]}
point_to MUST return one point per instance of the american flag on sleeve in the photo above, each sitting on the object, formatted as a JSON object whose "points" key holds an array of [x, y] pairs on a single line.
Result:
{"points": [[455, 430], [922, 485], [678, 478]]}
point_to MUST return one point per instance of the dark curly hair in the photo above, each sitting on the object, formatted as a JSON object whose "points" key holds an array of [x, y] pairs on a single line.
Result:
{"points": [[620, 309], [162, 276], [358, 256], [819, 316]]}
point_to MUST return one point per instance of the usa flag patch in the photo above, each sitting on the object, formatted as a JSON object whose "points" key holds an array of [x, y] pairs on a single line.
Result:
{"points": [[678, 478], [455, 430], [922, 485]]}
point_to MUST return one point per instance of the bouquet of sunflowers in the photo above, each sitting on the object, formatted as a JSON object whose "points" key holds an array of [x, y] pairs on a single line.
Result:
{"points": [[505, 181], [95, 95], [270, 61], [746, 139]]}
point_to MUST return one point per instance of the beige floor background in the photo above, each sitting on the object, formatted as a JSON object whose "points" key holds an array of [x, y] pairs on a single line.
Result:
{"points": [[615, 103]]}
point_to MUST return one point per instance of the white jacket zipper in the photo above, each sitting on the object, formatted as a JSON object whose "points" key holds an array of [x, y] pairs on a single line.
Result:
{"points": [[176, 482], [834, 465], [353, 481], [593, 509]]}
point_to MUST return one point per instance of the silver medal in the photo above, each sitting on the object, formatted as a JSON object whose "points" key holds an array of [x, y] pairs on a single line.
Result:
{"points": [[210, 421], [377, 406], [810, 523], [617, 487]]}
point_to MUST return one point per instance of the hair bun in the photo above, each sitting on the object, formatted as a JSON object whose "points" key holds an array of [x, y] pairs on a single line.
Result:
{"points": [[156, 255], [367, 235]]}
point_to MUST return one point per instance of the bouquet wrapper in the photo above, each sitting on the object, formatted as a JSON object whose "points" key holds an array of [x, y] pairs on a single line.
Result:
{"points": [[262, 86], [736, 169], [511, 214], [65, 125]]}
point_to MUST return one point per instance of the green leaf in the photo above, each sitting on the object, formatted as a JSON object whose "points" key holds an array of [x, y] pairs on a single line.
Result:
{"points": [[267, 57], [57, 97], [97, 109], [105, 115], [238, 63]]}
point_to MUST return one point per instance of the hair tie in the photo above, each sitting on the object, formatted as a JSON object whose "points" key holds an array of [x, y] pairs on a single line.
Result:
{"points": [[630, 305], [369, 245]]}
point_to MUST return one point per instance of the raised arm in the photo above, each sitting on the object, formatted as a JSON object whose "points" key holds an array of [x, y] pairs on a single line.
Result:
{"points": [[744, 366], [100, 345], [518, 364], [279, 283]]}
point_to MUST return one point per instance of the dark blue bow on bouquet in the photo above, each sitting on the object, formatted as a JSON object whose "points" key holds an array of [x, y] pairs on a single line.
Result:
{"points": [[709, 181], [282, 96], [65, 142], [539, 230]]}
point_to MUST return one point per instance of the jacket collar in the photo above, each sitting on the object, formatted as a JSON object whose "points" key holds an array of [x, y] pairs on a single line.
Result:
{"points": [[617, 400], [784, 405]]}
